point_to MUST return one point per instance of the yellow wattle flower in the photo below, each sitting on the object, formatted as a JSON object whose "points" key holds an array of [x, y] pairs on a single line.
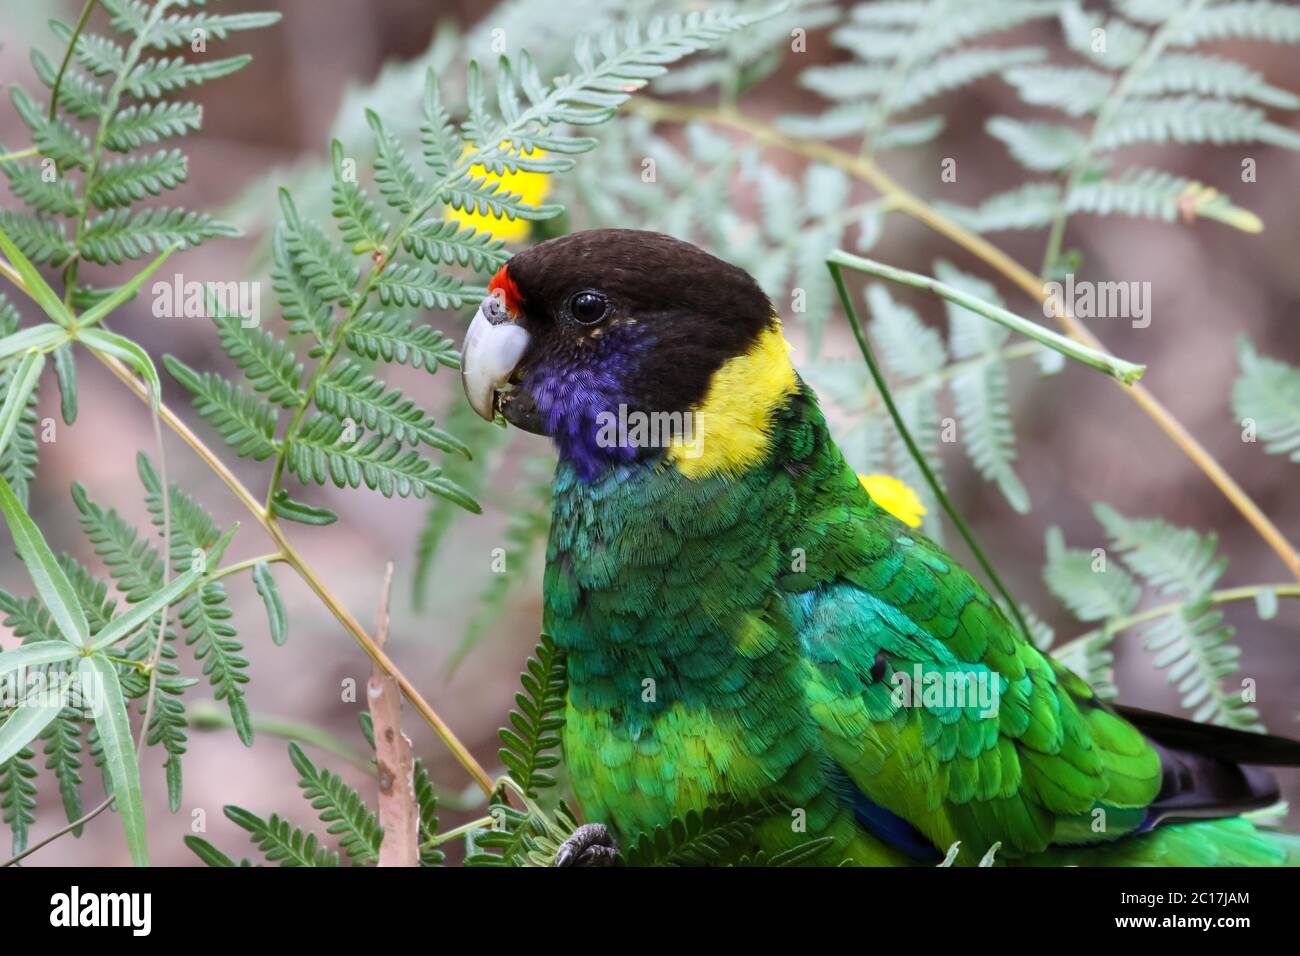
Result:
{"points": [[531, 187], [895, 497]]}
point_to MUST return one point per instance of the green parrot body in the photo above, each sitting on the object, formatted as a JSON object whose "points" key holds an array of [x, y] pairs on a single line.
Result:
{"points": [[742, 623]]}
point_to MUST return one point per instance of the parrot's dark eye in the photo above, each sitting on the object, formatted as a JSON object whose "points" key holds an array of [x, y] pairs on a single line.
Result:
{"points": [[588, 307]]}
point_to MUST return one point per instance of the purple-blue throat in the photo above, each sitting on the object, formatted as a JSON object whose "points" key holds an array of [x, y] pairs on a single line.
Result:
{"points": [[575, 397]]}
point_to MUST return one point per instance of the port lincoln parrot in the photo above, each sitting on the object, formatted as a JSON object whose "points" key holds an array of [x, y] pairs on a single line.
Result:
{"points": [[741, 621]]}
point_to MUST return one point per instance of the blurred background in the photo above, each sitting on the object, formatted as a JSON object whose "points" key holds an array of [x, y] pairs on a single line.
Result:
{"points": [[1080, 439]]}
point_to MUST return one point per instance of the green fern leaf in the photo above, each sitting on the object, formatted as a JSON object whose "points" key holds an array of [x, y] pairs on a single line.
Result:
{"points": [[130, 180], [398, 182], [1031, 206], [145, 124], [326, 269], [1174, 561], [318, 453], [394, 338], [205, 616], [120, 234], [177, 30], [1191, 119], [245, 423], [1210, 76], [153, 78], [18, 796], [282, 842], [41, 240], [78, 96], [28, 183], [339, 806], [1078, 91], [270, 366], [405, 284], [441, 240], [1047, 147], [980, 389], [1091, 587], [1248, 20], [359, 221], [346, 390], [55, 139], [305, 311], [531, 742], [98, 55], [715, 836], [1267, 394], [1154, 194]]}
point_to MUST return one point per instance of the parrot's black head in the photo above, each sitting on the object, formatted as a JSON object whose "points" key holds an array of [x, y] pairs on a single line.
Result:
{"points": [[590, 328]]}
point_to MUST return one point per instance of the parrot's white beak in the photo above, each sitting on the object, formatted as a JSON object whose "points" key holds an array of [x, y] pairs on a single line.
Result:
{"points": [[494, 345]]}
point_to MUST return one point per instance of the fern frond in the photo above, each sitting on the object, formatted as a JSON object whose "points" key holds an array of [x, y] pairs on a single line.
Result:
{"points": [[281, 841], [1090, 594], [406, 284], [1267, 393], [56, 139], [1191, 119], [532, 739], [442, 240], [980, 389], [270, 366], [130, 180], [1046, 147], [205, 617], [62, 748], [1173, 560], [426, 797], [145, 124], [360, 223], [153, 78], [1194, 647], [339, 806], [41, 240], [348, 391], [177, 30], [18, 796], [717, 835], [1246, 20], [319, 453], [244, 422], [1031, 206], [192, 528], [399, 184], [79, 96], [1210, 76], [322, 266], [120, 234], [1077, 91], [391, 337], [305, 311], [1153, 194], [28, 183]]}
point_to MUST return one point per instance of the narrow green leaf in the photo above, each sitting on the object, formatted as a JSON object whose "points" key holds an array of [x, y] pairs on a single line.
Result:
{"points": [[51, 583], [119, 346], [125, 624], [34, 283], [65, 372], [39, 337], [37, 655], [127, 291], [285, 507], [26, 724], [109, 709], [24, 381], [275, 614]]}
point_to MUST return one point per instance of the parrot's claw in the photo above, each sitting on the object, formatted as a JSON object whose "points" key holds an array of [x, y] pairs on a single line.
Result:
{"points": [[590, 845]]}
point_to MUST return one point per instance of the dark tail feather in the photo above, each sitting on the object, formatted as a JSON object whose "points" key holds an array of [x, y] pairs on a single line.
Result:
{"points": [[1210, 740]]}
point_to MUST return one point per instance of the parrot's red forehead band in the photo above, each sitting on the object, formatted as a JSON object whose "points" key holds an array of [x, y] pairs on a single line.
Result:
{"points": [[504, 288]]}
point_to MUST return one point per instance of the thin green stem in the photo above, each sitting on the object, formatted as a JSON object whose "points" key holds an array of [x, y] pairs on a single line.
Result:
{"points": [[1081, 164], [20, 154], [1013, 608], [67, 57], [1126, 372], [272, 558], [444, 838], [1225, 596]]}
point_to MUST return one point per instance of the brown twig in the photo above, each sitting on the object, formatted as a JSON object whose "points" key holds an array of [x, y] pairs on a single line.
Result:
{"points": [[399, 813]]}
